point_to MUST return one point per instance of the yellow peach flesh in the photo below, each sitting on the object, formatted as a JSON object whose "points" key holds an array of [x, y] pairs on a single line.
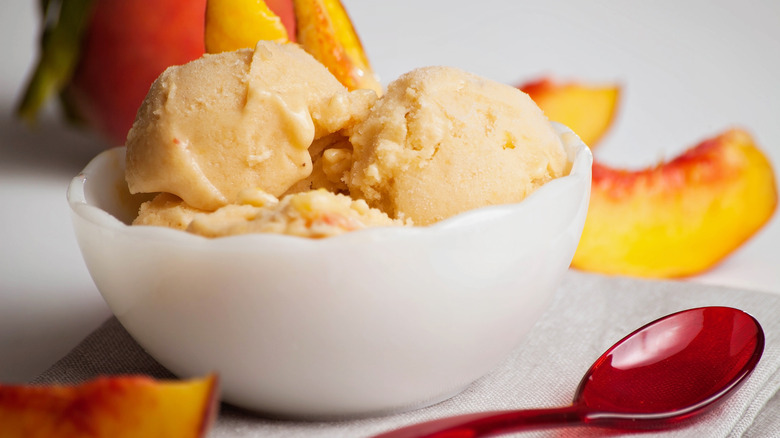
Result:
{"points": [[115, 407], [588, 110], [678, 218]]}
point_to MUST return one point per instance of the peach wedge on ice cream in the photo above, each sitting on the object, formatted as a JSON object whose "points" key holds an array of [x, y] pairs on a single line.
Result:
{"points": [[240, 24], [326, 31], [110, 407], [322, 28], [588, 110], [681, 217]]}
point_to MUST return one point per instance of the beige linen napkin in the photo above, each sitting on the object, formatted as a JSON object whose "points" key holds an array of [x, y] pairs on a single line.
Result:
{"points": [[588, 315]]}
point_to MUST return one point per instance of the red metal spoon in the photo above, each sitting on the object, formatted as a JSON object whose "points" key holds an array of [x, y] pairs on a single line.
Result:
{"points": [[665, 372]]}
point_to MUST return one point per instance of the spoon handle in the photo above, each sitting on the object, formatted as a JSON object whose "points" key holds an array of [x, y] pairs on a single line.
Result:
{"points": [[490, 423]]}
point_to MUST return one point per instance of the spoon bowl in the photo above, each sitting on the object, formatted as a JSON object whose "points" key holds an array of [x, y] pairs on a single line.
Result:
{"points": [[664, 372]]}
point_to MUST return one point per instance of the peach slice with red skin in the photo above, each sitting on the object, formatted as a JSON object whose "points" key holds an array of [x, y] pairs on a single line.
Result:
{"points": [[681, 217], [110, 407], [322, 27], [673, 220], [326, 32], [588, 110]]}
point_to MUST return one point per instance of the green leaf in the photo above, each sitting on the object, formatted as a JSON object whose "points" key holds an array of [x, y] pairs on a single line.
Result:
{"points": [[63, 25]]}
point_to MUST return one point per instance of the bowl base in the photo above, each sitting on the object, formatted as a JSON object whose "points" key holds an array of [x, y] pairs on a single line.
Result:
{"points": [[239, 411]]}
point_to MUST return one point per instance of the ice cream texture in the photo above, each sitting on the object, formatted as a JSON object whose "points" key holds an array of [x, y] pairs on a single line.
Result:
{"points": [[229, 121], [314, 214], [268, 141], [442, 141]]}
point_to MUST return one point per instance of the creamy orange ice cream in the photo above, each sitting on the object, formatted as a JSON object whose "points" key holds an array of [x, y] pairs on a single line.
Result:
{"points": [[442, 141], [314, 214], [225, 122], [268, 141]]}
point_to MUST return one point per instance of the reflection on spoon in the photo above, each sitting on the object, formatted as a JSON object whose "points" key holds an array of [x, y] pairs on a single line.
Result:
{"points": [[666, 340], [665, 372]]}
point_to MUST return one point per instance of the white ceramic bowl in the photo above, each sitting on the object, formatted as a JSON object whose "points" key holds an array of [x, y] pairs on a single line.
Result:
{"points": [[369, 322]]}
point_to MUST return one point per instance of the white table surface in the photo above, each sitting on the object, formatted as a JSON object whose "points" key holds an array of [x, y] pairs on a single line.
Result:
{"points": [[689, 70]]}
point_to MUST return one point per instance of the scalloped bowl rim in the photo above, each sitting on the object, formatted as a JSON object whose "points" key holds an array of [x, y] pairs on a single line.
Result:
{"points": [[581, 164]]}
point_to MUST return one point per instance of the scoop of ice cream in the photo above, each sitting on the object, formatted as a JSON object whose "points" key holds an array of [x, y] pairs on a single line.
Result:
{"points": [[224, 122], [442, 141], [315, 214]]}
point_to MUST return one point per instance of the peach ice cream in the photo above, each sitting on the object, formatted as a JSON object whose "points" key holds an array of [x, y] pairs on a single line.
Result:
{"points": [[229, 121], [315, 214], [268, 141], [442, 141]]}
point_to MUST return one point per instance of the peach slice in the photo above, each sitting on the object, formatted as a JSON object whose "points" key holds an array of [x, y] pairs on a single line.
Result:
{"points": [[239, 24], [116, 407], [326, 32], [587, 110], [678, 218]]}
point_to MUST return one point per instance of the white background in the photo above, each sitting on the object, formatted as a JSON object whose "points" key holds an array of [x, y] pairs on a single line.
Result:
{"points": [[688, 71]]}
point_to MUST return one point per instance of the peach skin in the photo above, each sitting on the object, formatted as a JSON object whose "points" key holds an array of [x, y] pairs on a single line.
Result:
{"points": [[681, 217], [110, 407], [586, 110], [101, 56]]}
